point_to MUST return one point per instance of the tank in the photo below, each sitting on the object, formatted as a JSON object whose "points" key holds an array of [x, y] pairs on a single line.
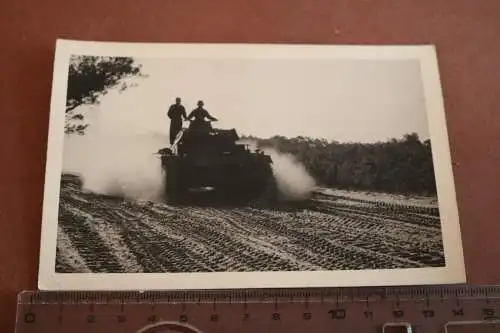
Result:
{"points": [[210, 164]]}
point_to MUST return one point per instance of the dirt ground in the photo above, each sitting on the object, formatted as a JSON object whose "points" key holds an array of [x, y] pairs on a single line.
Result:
{"points": [[334, 230]]}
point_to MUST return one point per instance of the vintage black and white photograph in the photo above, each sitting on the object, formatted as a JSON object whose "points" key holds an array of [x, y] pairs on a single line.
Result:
{"points": [[203, 166]]}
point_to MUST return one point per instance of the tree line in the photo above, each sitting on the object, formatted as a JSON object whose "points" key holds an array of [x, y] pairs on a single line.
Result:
{"points": [[397, 166]]}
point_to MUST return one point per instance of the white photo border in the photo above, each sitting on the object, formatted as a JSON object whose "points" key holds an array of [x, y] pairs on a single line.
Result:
{"points": [[452, 273]]}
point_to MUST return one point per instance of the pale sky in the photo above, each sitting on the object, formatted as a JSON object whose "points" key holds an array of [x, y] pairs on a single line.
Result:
{"points": [[343, 100]]}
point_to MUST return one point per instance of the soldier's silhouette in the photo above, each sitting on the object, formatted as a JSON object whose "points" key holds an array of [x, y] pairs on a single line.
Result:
{"points": [[199, 114], [176, 113]]}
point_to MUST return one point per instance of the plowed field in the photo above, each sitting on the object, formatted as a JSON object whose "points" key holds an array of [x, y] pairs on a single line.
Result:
{"points": [[334, 230]]}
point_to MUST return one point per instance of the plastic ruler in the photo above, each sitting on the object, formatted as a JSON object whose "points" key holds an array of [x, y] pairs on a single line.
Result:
{"points": [[414, 309]]}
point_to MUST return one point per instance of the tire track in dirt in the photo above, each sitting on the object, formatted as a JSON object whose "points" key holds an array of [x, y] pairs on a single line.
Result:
{"points": [[222, 240], [332, 232], [222, 249], [421, 244], [337, 254], [97, 256], [249, 235], [196, 242], [67, 257], [390, 213], [172, 252], [252, 235], [145, 245], [102, 222], [200, 247]]}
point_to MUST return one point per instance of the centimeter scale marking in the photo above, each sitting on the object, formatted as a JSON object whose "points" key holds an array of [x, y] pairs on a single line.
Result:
{"points": [[429, 309]]}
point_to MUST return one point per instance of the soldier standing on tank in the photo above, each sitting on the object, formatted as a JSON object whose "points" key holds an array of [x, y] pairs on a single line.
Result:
{"points": [[176, 113], [199, 114]]}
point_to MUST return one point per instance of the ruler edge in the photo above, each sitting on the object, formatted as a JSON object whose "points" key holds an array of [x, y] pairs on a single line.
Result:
{"points": [[341, 294], [466, 292]]}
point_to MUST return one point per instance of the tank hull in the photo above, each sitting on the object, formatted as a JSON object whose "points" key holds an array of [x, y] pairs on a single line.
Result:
{"points": [[218, 181], [213, 167]]}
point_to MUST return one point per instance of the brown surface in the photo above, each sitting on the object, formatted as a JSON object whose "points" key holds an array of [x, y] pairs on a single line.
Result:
{"points": [[467, 35]]}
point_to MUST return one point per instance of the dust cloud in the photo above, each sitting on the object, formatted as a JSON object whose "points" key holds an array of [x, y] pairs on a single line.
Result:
{"points": [[294, 182], [116, 157], [117, 154]]}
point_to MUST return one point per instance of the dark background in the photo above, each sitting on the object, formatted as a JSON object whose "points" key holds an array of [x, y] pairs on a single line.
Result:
{"points": [[466, 33]]}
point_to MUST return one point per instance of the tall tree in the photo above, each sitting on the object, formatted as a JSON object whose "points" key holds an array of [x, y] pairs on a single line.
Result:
{"points": [[89, 78]]}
